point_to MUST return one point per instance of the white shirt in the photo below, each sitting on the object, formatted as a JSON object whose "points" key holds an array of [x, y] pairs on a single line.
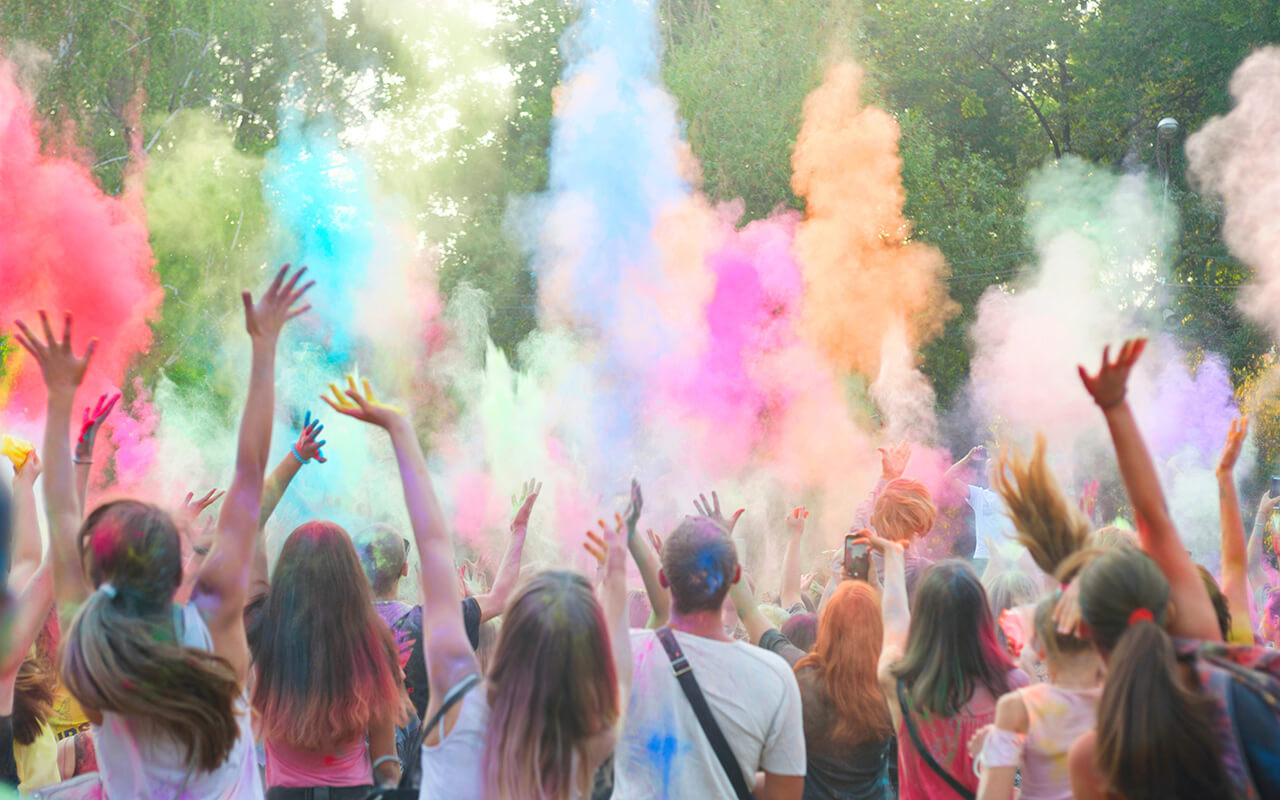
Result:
{"points": [[989, 520], [663, 752], [134, 762]]}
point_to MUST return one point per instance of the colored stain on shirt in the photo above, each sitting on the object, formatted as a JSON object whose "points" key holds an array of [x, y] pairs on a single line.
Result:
{"points": [[663, 748]]}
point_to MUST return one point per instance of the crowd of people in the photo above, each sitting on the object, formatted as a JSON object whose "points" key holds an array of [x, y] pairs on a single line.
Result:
{"points": [[145, 655]]}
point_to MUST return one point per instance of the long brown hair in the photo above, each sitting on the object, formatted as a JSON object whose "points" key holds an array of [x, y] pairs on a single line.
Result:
{"points": [[122, 654], [1154, 734], [326, 663], [33, 691], [552, 686], [843, 665], [1051, 529], [952, 647]]}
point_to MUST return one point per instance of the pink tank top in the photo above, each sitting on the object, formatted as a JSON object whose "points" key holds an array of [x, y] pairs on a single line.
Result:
{"points": [[347, 765], [948, 741]]}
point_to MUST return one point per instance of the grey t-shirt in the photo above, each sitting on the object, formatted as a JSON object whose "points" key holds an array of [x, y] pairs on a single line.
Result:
{"points": [[663, 752]]}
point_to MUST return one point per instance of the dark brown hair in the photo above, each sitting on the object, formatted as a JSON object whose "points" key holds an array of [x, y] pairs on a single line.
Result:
{"points": [[952, 647], [1154, 734], [699, 562], [32, 698]]}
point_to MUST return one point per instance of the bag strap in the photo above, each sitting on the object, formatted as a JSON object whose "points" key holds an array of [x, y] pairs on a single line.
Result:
{"points": [[409, 776], [684, 675], [929, 760]]}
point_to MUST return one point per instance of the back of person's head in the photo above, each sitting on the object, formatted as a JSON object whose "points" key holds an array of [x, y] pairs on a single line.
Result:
{"points": [[1111, 537], [552, 685], [699, 564], [845, 655], [1009, 589], [326, 664], [776, 615], [904, 510], [801, 630], [384, 553], [1154, 735], [33, 694], [952, 647], [122, 654], [1221, 608]]}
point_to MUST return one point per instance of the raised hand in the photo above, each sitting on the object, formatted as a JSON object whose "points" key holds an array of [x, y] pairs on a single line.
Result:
{"points": [[893, 460], [364, 407], [609, 546], [307, 448], [1109, 386], [634, 507], [1236, 435], [193, 508], [795, 521], [1089, 498], [656, 541], [523, 504], [61, 369], [91, 421], [712, 512], [267, 317], [21, 453]]}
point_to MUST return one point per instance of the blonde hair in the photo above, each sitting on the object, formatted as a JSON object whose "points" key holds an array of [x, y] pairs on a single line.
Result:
{"points": [[1047, 523], [904, 510], [552, 687]]}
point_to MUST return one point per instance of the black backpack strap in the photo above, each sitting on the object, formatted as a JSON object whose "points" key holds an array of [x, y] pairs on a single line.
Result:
{"points": [[411, 776], [684, 674], [932, 762]]}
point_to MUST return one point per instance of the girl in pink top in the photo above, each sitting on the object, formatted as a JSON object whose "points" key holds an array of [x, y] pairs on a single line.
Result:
{"points": [[328, 685], [941, 669]]}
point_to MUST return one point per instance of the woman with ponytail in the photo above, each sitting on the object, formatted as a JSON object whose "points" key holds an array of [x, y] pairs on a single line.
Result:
{"points": [[1181, 715], [162, 684]]}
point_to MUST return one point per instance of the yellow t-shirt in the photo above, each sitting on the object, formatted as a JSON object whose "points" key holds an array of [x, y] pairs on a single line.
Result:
{"points": [[67, 717], [38, 761], [1241, 632]]}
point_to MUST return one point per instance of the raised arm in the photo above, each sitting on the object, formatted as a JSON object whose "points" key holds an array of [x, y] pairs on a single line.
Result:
{"points": [[896, 613], [609, 545], [646, 564], [445, 643], [1235, 577], [756, 623], [306, 449], [27, 547], [790, 594], [1156, 531], [223, 582], [504, 583], [90, 423], [63, 373]]}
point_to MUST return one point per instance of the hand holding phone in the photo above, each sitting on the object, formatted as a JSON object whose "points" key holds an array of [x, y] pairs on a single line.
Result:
{"points": [[857, 558]]}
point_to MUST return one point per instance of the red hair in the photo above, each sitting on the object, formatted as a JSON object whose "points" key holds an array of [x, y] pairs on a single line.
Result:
{"points": [[845, 657]]}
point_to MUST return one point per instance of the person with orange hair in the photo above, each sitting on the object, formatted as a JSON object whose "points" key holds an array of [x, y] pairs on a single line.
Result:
{"points": [[904, 512]]}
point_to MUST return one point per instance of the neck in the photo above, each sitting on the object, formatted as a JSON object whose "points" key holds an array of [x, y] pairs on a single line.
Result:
{"points": [[699, 623], [389, 597], [1076, 671]]}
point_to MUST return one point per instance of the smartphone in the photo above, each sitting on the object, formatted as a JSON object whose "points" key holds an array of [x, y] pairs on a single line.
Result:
{"points": [[857, 558], [1275, 485]]}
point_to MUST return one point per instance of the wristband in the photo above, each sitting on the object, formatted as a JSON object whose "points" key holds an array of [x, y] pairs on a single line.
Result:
{"points": [[294, 450], [383, 759]]}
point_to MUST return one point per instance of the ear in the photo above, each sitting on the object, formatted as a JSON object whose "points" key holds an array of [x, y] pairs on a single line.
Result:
{"points": [[662, 580], [737, 574], [404, 571]]}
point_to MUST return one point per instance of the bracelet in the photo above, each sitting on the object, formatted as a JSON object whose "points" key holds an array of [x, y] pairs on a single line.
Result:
{"points": [[75, 460], [387, 758], [301, 460]]}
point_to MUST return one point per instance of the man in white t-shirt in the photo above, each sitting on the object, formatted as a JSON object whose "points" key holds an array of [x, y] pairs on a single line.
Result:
{"points": [[663, 751]]}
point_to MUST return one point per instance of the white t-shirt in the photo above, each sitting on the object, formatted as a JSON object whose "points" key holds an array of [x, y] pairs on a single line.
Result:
{"points": [[989, 520], [753, 695], [134, 762]]}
